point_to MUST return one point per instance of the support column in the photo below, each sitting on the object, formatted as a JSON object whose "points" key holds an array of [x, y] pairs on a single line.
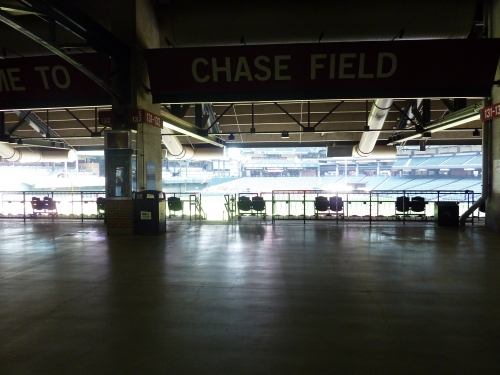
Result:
{"points": [[2, 124], [493, 157], [137, 166]]}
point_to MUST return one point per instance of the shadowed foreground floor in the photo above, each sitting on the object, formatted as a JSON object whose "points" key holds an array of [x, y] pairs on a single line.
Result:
{"points": [[249, 298]]}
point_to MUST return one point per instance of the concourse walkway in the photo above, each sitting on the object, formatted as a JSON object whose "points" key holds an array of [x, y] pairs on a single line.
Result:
{"points": [[249, 298]]}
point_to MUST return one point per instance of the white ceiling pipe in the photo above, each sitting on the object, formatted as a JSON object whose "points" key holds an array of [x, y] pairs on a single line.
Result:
{"points": [[382, 152], [176, 151], [24, 155], [378, 114], [174, 146], [204, 153]]}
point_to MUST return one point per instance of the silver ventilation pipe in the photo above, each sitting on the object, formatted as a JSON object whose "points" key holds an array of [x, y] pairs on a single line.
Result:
{"points": [[367, 144], [486, 170], [176, 151], [10, 153]]}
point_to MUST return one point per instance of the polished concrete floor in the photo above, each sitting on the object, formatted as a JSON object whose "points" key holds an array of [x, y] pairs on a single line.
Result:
{"points": [[249, 298]]}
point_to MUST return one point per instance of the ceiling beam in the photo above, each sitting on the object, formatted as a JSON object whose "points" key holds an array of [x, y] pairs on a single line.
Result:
{"points": [[98, 37], [454, 119], [10, 21], [18, 9]]}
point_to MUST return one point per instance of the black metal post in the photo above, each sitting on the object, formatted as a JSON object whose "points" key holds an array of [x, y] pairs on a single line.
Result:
{"points": [[198, 116], [426, 111], [404, 207], [2, 123], [304, 205], [370, 208]]}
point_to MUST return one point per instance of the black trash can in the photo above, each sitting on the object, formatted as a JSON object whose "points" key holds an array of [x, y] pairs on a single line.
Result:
{"points": [[149, 212], [446, 214]]}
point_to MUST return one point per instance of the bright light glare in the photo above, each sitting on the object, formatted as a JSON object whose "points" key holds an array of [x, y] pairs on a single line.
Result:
{"points": [[337, 187], [91, 153], [234, 153]]}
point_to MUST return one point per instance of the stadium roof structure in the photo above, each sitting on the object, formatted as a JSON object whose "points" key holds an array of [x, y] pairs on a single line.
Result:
{"points": [[77, 29]]}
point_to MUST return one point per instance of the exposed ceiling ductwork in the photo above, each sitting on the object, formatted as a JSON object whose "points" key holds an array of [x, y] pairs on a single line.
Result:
{"points": [[176, 151], [378, 114], [24, 155], [367, 148]]}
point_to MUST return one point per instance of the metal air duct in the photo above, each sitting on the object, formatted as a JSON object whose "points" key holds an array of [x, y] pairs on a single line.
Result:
{"points": [[378, 114], [176, 151], [24, 155]]}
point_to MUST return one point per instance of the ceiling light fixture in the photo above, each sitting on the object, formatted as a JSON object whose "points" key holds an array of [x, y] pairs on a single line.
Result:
{"points": [[285, 134]]}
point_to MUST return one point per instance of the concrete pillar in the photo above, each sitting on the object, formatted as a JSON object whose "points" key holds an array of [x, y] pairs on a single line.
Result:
{"points": [[493, 202], [135, 23]]}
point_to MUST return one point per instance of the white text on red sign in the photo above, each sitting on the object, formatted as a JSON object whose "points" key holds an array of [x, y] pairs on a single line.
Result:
{"points": [[490, 112], [50, 77]]}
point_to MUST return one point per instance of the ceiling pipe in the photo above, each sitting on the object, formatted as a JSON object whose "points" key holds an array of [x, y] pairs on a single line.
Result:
{"points": [[10, 153], [185, 128], [176, 151], [366, 146]]}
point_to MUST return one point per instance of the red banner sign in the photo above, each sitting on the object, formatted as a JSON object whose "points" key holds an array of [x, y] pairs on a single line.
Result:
{"points": [[106, 118], [49, 81], [399, 69], [490, 112], [136, 116], [141, 116]]}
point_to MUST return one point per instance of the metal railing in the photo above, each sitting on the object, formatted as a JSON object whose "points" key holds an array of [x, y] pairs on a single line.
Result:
{"points": [[68, 204], [376, 205], [193, 201], [364, 205]]}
